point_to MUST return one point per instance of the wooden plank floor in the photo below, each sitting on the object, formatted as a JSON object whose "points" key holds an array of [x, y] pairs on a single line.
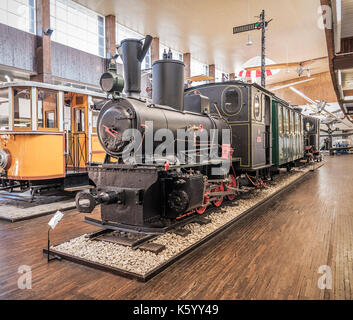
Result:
{"points": [[274, 253]]}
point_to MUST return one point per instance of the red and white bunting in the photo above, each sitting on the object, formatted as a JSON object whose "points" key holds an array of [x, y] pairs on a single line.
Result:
{"points": [[254, 73]]}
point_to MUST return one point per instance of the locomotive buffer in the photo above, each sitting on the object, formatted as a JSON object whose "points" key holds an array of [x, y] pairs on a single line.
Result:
{"points": [[260, 25]]}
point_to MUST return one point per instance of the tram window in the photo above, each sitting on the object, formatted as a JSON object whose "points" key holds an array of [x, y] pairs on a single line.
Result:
{"points": [[80, 120], [49, 119], [94, 121], [67, 118], [97, 102], [47, 109], [293, 122], [257, 108], [4, 109], [280, 119], [288, 119], [22, 108]]}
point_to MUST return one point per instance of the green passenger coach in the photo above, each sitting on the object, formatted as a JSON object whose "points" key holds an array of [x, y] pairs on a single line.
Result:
{"points": [[287, 134]]}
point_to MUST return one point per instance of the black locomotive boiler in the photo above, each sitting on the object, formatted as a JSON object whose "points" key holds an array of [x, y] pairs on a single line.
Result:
{"points": [[147, 191]]}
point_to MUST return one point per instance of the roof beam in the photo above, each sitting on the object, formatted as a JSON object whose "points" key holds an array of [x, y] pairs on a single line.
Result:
{"points": [[347, 93], [342, 62]]}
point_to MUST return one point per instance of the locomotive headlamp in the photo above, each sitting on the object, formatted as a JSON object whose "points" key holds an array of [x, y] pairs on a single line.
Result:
{"points": [[5, 159], [112, 82]]}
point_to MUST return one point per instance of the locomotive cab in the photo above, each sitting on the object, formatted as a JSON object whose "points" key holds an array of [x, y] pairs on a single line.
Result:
{"points": [[247, 110]]}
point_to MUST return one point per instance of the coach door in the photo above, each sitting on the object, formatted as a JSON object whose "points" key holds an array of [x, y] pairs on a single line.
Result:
{"points": [[268, 136]]}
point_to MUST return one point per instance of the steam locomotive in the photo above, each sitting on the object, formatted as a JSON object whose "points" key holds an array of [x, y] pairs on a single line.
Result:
{"points": [[186, 149]]}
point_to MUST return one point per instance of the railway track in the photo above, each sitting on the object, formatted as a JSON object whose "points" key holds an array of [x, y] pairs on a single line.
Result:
{"points": [[158, 247]]}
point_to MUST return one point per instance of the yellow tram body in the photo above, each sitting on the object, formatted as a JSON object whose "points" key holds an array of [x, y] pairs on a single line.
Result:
{"points": [[47, 131]]}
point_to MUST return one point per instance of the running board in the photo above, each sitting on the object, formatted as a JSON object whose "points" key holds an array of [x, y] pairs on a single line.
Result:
{"points": [[79, 188]]}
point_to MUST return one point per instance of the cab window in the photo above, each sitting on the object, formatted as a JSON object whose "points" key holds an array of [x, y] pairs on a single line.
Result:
{"points": [[22, 108], [47, 109], [257, 112], [232, 102], [4, 109]]}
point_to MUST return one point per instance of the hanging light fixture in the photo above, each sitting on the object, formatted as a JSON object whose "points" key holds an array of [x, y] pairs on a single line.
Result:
{"points": [[249, 43], [287, 70]]}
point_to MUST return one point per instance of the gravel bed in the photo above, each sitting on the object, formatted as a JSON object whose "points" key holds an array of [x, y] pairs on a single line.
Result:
{"points": [[142, 262]]}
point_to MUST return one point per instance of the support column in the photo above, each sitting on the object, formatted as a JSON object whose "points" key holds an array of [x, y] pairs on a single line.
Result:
{"points": [[155, 50], [43, 50], [223, 77], [232, 76], [212, 72], [110, 36], [187, 62]]}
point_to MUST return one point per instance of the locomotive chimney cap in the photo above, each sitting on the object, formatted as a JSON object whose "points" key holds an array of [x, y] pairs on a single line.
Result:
{"points": [[168, 61]]}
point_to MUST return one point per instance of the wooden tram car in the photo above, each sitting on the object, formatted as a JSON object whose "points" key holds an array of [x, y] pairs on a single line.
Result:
{"points": [[47, 136], [265, 133]]}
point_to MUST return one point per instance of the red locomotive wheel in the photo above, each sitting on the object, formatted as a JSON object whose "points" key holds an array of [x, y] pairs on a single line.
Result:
{"points": [[218, 202], [232, 184], [201, 210]]}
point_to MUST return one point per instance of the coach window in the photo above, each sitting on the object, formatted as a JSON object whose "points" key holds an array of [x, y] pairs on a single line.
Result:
{"points": [[47, 109], [301, 124], [296, 123], [280, 119], [285, 121], [22, 108], [4, 109]]}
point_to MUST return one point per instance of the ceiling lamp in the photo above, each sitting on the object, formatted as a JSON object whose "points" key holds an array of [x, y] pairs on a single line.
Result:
{"points": [[249, 43]]}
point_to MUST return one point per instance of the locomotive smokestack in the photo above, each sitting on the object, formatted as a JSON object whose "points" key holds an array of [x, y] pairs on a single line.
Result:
{"points": [[168, 83], [132, 52]]}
